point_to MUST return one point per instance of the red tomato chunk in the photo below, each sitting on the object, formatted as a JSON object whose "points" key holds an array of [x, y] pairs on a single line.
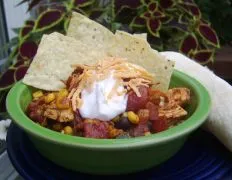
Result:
{"points": [[134, 103]]}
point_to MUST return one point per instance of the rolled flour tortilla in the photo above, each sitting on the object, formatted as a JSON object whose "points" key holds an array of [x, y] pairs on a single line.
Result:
{"points": [[219, 121]]}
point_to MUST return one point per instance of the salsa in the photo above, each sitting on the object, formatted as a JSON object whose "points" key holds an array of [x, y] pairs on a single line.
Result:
{"points": [[153, 112]]}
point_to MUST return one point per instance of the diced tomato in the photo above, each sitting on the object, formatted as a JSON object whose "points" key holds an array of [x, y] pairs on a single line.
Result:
{"points": [[160, 124], [134, 102], [153, 111], [96, 129], [139, 130], [143, 115]]}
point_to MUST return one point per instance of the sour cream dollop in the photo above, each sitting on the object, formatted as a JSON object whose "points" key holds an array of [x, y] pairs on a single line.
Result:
{"points": [[96, 105]]}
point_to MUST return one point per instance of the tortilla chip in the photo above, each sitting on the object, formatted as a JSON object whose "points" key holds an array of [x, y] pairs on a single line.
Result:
{"points": [[138, 51], [51, 66], [89, 32], [53, 62]]}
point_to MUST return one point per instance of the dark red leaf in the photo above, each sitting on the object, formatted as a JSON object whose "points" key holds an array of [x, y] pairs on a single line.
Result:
{"points": [[146, 15], [7, 79], [209, 34], [158, 14], [191, 9], [25, 30], [138, 22], [82, 3], [48, 18], [189, 43], [203, 56], [32, 4], [20, 72], [118, 4], [166, 3], [29, 23], [28, 49], [153, 6], [153, 26]]}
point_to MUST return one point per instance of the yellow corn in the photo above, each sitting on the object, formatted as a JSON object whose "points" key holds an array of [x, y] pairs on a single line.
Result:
{"points": [[63, 92], [50, 97], [37, 94], [133, 118], [68, 130], [62, 102]]}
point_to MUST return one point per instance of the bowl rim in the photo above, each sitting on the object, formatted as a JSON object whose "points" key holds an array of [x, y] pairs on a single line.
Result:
{"points": [[186, 127]]}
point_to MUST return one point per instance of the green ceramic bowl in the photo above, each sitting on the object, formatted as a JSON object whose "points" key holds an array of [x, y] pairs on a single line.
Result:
{"points": [[110, 156]]}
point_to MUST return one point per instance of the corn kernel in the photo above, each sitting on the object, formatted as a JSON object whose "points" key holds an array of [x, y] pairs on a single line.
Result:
{"points": [[50, 97], [63, 92], [68, 130], [132, 117], [37, 94], [62, 102]]}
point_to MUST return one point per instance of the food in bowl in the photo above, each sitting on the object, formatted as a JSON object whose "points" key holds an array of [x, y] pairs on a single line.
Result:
{"points": [[86, 43], [110, 99]]}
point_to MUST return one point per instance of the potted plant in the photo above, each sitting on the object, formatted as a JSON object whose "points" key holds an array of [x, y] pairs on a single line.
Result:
{"points": [[170, 25]]}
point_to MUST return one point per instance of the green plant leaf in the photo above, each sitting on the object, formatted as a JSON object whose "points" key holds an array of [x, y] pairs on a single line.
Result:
{"points": [[174, 24], [133, 4], [82, 3], [48, 19], [125, 15], [166, 19], [208, 34]]}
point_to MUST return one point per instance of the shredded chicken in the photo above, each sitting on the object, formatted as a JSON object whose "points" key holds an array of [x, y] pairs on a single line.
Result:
{"points": [[180, 96]]}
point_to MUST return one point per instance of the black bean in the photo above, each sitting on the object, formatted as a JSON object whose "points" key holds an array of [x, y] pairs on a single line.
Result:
{"points": [[123, 123]]}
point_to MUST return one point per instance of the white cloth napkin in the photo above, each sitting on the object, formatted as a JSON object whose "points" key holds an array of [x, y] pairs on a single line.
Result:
{"points": [[219, 121]]}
